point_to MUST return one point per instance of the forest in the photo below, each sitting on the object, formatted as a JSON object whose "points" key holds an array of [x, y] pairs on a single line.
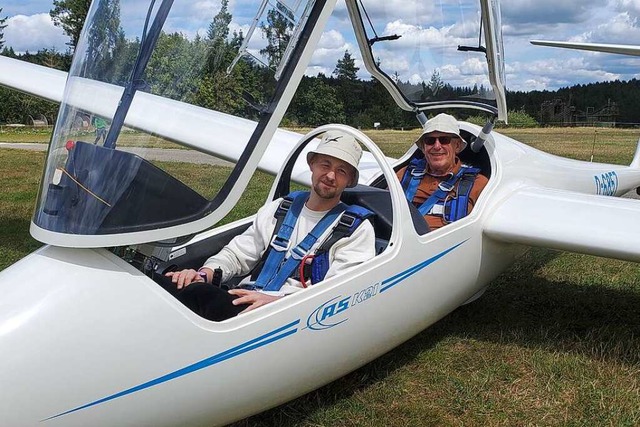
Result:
{"points": [[341, 97]]}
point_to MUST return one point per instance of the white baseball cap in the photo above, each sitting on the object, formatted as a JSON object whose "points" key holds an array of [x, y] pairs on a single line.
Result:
{"points": [[341, 146], [444, 123]]}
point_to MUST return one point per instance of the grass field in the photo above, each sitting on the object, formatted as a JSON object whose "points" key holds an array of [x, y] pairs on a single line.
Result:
{"points": [[555, 341]]}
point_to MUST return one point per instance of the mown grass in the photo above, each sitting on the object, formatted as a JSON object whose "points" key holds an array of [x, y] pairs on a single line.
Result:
{"points": [[26, 134], [128, 138], [20, 173], [555, 340]]}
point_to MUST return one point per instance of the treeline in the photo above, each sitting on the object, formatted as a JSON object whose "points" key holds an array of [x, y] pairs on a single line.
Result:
{"points": [[196, 71], [339, 98], [592, 96]]}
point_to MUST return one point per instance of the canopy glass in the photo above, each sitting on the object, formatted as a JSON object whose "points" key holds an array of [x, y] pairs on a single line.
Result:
{"points": [[167, 109]]}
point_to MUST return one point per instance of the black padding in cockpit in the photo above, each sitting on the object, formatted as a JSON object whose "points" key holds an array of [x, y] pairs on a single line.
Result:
{"points": [[479, 160], [108, 191], [195, 254], [379, 202]]}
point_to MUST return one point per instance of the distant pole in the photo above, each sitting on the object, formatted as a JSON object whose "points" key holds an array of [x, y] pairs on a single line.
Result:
{"points": [[593, 147]]}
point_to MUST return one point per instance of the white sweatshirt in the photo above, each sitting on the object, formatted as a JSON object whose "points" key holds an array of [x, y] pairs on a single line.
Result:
{"points": [[245, 250]]}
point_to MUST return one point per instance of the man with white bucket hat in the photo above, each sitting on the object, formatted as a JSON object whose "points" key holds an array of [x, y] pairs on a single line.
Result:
{"points": [[280, 229], [437, 183]]}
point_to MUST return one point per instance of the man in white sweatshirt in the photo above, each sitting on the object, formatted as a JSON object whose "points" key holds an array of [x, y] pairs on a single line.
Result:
{"points": [[333, 167]]}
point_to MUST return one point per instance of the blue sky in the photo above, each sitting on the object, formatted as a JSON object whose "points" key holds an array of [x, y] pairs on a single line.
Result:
{"points": [[29, 27]]}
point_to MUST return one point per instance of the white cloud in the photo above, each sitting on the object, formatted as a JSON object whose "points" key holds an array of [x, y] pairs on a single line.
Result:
{"points": [[449, 73], [415, 79], [632, 7], [474, 66], [554, 73], [540, 83], [621, 28], [32, 33], [332, 39]]}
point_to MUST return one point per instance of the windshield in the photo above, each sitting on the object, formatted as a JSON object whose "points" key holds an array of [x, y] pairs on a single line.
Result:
{"points": [[167, 108], [446, 59]]}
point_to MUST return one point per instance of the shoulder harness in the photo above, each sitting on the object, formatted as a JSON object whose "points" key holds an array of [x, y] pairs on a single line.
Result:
{"points": [[276, 267], [440, 202]]}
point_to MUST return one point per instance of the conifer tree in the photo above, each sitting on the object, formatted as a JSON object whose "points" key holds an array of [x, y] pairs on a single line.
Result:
{"points": [[2, 27], [70, 16]]}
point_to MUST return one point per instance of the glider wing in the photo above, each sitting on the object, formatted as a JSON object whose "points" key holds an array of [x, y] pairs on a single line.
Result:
{"points": [[590, 224]]}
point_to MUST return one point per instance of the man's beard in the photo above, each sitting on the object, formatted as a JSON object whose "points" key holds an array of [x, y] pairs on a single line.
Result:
{"points": [[325, 192]]}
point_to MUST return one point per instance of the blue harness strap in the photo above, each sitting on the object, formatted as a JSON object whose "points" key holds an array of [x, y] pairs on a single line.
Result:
{"points": [[278, 267], [441, 193], [412, 177], [350, 220], [279, 244], [458, 207]]}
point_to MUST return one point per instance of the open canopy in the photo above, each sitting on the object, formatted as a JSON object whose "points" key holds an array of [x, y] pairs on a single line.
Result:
{"points": [[456, 59], [149, 76]]}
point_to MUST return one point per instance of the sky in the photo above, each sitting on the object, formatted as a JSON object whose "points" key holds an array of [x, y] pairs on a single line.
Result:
{"points": [[528, 67]]}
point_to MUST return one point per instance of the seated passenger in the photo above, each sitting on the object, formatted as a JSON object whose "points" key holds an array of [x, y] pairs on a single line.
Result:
{"points": [[311, 219], [439, 185]]}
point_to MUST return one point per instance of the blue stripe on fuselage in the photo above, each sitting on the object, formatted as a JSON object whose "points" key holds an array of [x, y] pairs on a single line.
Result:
{"points": [[392, 281], [250, 345], [263, 340]]}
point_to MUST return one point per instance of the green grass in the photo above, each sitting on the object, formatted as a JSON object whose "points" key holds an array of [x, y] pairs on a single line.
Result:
{"points": [[128, 138], [25, 134], [555, 340], [20, 173]]}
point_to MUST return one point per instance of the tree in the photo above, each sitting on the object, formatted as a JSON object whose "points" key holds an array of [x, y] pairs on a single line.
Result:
{"points": [[9, 52], [434, 87], [350, 89], [316, 103], [219, 26], [105, 40], [277, 31], [219, 92], [174, 68], [2, 27], [346, 68], [217, 36], [70, 16]]}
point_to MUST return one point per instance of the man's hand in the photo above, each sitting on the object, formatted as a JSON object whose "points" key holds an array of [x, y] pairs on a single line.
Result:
{"points": [[255, 299], [184, 278]]}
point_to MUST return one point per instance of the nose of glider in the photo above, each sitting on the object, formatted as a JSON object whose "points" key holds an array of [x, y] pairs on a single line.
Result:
{"points": [[68, 320]]}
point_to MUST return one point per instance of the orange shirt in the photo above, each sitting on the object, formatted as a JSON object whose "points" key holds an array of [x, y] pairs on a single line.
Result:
{"points": [[429, 184]]}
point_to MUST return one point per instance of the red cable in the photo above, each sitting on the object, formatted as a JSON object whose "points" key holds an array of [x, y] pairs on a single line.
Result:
{"points": [[301, 271]]}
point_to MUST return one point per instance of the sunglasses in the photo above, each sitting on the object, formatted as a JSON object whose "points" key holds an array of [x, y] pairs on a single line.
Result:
{"points": [[444, 140]]}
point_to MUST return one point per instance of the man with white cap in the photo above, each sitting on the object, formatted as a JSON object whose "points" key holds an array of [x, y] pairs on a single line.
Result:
{"points": [[439, 185], [319, 213]]}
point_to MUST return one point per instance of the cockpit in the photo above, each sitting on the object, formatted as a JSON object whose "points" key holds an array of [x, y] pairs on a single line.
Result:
{"points": [[212, 89]]}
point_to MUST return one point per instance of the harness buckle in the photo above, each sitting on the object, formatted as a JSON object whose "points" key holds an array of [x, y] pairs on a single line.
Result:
{"points": [[298, 253], [446, 186], [437, 210], [279, 244], [418, 172], [346, 220], [284, 206]]}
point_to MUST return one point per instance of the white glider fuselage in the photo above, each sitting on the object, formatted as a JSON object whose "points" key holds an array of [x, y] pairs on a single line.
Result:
{"points": [[87, 339], [92, 340]]}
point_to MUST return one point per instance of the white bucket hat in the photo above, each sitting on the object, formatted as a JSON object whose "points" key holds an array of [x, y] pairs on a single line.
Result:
{"points": [[444, 123], [341, 146]]}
